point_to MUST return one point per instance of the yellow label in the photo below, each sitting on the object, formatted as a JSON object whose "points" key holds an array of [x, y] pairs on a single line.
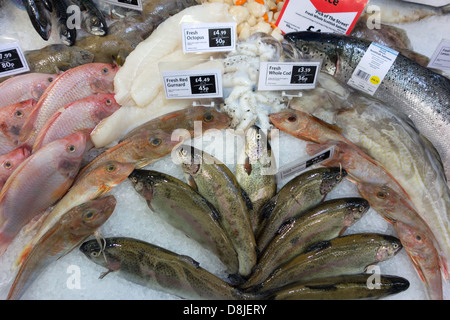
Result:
{"points": [[375, 80]]}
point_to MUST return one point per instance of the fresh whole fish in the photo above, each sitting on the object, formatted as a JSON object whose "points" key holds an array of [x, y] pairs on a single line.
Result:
{"points": [[24, 87], [58, 57], [80, 115], [40, 17], [13, 117], [74, 84], [10, 161], [254, 172], [72, 229], [106, 49], [416, 91], [93, 19], [67, 33], [323, 222], [346, 287], [159, 269], [93, 185], [40, 181], [350, 254], [214, 181], [297, 196], [188, 211]]}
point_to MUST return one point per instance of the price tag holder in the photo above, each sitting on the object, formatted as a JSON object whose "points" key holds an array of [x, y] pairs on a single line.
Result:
{"points": [[335, 16], [208, 37], [373, 67], [192, 84], [12, 60], [441, 56], [288, 75], [130, 4]]}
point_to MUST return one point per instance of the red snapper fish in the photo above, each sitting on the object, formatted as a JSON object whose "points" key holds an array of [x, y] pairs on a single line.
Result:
{"points": [[11, 161], [72, 85], [39, 182]]}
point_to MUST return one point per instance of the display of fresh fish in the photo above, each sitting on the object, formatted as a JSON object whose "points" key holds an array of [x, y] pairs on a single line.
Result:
{"points": [[417, 239], [255, 172], [350, 254], [93, 19], [188, 212], [57, 58], [397, 11], [72, 229], [67, 33], [73, 84], [24, 87], [12, 118], [214, 181], [345, 287], [40, 181], [416, 91], [80, 115], [40, 17], [159, 269], [141, 149], [323, 222], [297, 196], [10, 161]]}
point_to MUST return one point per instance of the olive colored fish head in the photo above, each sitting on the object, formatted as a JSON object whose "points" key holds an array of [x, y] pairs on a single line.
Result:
{"points": [[356, 208], [153, 144], [331, 178], [190, 159], [388, 247], [142, 181], [315, 46], [105, 252], [102, 77], [86, 218]]}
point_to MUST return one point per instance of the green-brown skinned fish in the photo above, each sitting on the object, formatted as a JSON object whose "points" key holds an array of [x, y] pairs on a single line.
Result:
{"points": [[350, 254], [346, 287], [254, 171], [325, 221], [185, 209], [159, 269], [218, 185], [298, 195]]}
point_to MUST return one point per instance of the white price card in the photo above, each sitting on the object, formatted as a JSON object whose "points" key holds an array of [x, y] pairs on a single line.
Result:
{"points": [[191, 84], [373, 67], [12, 60], [441, 56], [288, 75], [130, 4], [335, 16], [208, 37]]}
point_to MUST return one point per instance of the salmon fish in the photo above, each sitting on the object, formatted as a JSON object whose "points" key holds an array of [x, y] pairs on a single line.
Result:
{"points": [[11, 161], [40, 181], [24, 87], [73, 84], [80, 115], [71, 229]]}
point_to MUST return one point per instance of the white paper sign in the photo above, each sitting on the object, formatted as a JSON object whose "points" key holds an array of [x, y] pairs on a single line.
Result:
{"points": [[191, 84], [12, 60], [441, 57], [208, 37]]}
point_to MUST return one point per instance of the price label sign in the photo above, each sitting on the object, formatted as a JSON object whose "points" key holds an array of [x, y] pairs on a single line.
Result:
{"points": [[208, 37], [12, 60], [288, 75], [130, 4], [191, 84]]}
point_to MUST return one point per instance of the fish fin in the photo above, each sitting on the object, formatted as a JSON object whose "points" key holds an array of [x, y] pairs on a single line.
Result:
{"points": [[22, 256], [191, 182], [248, 202], [27, 128], [42, 133], [104, 274], [327, 125]]}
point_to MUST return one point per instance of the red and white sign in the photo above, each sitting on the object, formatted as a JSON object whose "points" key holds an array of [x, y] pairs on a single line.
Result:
{"points": [[335, 16]]}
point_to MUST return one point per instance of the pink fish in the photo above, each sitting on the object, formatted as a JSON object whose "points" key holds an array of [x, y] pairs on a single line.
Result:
{"points": [[10, 161], [72, 85], [80, 115], [41, 180], [24, 87]]}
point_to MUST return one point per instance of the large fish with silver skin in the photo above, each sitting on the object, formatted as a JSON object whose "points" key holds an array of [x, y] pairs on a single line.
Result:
{"points": [[350, 254], [418, 92], [72, 228], [297, 196], [325, 221], [159, 269], [214, 181], [188, 211]]}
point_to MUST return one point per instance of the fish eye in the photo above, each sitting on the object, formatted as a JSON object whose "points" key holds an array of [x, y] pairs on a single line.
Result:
{"points": [[71, 148], [108, 102], [292, 118], [111, 168], [18, 114], [381, 194], [305, 48], [105, 70], [418, 238], [7, 164], [155, 142], [88, 215], [361, 208], [208, 118], [95, 254], [258, 136], [134, 179], [50, 79]]}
